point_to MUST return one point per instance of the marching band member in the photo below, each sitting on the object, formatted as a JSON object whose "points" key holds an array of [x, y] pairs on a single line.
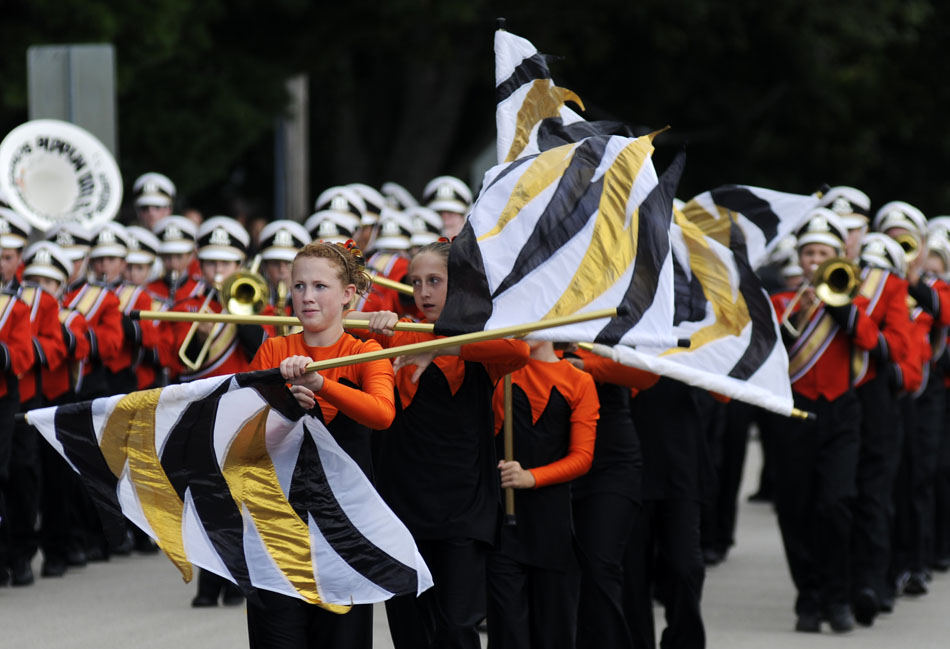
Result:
{"points": [[398, 197], [177, 236], [452, 199], [373, 202], [426, 227], [532, 573], [817, 460], [438, 468], [877, 379], [280, 242], [16, 357], [390, 259], [154, 197], [930, 310], [213, 349], [345, 207], [350, 400], [853, 207], [14, 234], [143, 251]]}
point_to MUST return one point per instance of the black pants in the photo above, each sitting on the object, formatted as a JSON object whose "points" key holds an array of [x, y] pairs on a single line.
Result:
{"points": [[530, 607], [942, 488], [277, 621], [602, 527], [443, 617], [815, 464], [878, 461], [664, 552], [8, 408], [23, 500], [914, 491], [719, 520]]}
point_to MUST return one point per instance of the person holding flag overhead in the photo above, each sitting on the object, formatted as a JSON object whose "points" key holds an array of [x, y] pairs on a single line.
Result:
{"points": [[816, 460]]}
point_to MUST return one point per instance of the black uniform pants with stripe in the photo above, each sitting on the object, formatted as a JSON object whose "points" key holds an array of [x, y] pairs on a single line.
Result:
{"points": [[664, 557], [914, 492], [878, 462], [530, 607], [445, 616], [602, 526], [23, 500], [815, 466], [276, 621]]}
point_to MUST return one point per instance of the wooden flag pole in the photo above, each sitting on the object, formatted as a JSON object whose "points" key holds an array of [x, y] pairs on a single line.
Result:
{"points": [[285, 320], [509, 453], [437, 344]]}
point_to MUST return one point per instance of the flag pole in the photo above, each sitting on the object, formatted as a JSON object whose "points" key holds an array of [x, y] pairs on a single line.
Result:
{"points": [[385, 282], [437, 344], [277, 320], [509, 453]]}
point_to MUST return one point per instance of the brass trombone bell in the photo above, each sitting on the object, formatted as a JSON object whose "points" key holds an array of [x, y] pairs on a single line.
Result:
{"points": [[245, 293], [836, 282], [910, 242]]}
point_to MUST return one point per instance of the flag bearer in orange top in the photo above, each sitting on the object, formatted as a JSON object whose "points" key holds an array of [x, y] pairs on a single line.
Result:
{"points": [[16, 454], [922, 413], [143, 251], [816, 460], [14, 234], [533, 575], [63, 544], [438, 468], [351, 401]]}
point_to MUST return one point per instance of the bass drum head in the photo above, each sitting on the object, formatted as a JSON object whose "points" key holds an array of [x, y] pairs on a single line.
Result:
{"points": [[54, 172]]}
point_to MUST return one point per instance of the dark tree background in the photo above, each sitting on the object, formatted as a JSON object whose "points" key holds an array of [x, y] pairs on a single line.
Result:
{"points": [[785, 94]]}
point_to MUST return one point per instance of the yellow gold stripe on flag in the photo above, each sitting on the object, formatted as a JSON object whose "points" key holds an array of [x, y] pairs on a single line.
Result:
{"points": [[613, 244], [252, 479], [544, 170], [732, 314], [544, 100], [129, 433], [715, 228]]}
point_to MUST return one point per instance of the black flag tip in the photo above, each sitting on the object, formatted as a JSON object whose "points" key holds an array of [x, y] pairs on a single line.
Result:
{"points": [[622, 311], [135, 315], [500, 23], [823, 190], [683, 342]]}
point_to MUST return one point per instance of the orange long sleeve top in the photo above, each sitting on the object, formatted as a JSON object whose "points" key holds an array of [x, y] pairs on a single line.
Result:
{"points": [[370, 400]]}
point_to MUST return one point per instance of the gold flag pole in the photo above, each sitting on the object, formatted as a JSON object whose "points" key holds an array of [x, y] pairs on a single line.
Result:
{"points": [[479, 336], [385, 282], [509, 453], [277, 320]]}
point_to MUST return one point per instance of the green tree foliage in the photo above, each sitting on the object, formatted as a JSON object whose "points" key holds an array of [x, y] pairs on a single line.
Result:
{"points": [[785, 94]]}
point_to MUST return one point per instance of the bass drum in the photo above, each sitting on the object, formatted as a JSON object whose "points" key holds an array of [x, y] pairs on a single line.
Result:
{"points": [[54, 172]]}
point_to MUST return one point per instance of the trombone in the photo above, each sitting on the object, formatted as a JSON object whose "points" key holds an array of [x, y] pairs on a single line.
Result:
{"points": [[911, 243], [243, 293], [836, 282]]}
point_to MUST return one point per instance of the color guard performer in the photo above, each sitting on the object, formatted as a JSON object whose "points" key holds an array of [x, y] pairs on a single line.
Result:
{"points": [[817, 460]]}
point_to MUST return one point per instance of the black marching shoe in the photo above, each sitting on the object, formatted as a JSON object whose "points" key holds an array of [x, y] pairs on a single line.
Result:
{"points": [[865, 607], [942, 564], [53, 567], [203, 601], [916, 584], [808, 623], [21, 574], [76, 558], [4, 577], [840, 619]]}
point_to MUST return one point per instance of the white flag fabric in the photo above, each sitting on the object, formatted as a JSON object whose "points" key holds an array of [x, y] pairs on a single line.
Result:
{"points": [[735, 346], [576, 228], [229, 474]]}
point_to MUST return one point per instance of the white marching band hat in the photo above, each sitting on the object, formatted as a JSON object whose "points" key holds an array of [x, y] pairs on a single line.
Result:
{"points": [[153, 189], [221, 238], [398, 197], [373, 202], [14, 229], [852, 205], [46, 259], [281, 240], [109, 241], [143, 245], [426, 225], [883, 252], [176, 235], [822, 226], [74, 238], [395, 231], [898, 214], [447, 194]]}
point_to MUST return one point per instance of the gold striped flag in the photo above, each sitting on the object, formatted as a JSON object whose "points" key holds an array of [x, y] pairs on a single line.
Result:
{"points": [[229, 474]]}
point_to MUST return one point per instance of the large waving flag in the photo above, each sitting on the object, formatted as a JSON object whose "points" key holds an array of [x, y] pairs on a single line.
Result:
{"points": [[735, 347], [576, 228], [764, 215], [531, 112], [230, 475]]}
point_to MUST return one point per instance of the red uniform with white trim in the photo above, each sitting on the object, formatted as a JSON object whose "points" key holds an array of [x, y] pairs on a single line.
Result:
{"points": [[49, 348], [16, 344]]}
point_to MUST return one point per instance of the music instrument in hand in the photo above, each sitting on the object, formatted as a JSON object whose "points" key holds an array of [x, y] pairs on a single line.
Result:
{"points": [[836, 282]]}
